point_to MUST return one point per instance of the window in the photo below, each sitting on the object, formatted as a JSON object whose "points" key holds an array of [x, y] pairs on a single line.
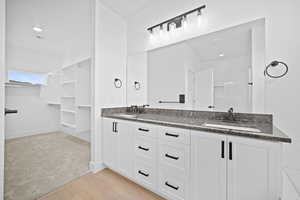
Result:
{"points": [[27, 77]]}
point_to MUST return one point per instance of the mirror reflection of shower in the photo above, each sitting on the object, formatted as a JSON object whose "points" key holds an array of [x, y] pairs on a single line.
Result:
{"points": [[215, 72]]}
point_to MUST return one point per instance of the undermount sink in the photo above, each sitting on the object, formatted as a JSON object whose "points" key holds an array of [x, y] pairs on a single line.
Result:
{"points": [[238, 128], [128, 115]]}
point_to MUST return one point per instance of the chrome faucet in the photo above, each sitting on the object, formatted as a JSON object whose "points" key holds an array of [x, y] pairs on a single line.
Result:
{"points": [[138, 109], [230, 115], [141, 109]]}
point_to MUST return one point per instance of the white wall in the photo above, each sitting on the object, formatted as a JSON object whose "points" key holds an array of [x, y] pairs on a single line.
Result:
{"points": [[282, 43], [34, 115], [2, 97], [110, 63], [137, 71]]}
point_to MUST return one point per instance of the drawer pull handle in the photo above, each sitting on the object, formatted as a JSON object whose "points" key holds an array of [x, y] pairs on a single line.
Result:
{"points": [[172, 157], [142, 148], [144, 174], [223, 149], [230, 150], [172, 135], [171, 186], [142, 129]]}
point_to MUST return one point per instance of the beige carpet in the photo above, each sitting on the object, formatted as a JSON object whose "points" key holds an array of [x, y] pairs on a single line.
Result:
{"points": [[36, 165]]}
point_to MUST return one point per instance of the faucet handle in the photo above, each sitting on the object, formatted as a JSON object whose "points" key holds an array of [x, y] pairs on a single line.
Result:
{"points": [[230, 110]]}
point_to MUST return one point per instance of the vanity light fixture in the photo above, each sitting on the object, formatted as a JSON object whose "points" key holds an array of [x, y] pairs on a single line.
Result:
{"points": [[37, 29], [178, 21]]}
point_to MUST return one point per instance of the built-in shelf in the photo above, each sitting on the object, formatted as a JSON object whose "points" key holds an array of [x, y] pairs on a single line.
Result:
{"points": [[217, 85], [84, 106], [68, 125], [68, 97], [71, 86], [69, 82], [53, 103], [68, 111], [69, 66]]}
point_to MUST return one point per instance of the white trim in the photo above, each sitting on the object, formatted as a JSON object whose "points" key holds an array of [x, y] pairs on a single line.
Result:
{"points": [[68, 125], [2, 93], [96, 166], [14, 135], [75, 63]]}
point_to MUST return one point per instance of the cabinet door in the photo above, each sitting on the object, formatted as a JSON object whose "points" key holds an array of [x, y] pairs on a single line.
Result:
{"points": [[125, 133], [208, 166], [110, 144], [253, 169]]}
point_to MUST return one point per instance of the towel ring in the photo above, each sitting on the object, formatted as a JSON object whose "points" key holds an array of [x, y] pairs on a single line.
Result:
{"points": [[275, 64], [137, 85], [118, 83]]}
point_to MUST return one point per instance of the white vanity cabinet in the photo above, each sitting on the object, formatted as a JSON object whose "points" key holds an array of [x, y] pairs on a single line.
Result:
{"points": [[145, 155], [174, 162], [118, 146], [180, 164], [234, 168], [110, 143]]}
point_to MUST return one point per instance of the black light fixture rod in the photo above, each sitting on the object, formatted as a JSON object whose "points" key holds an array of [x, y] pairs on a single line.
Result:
{"points": [[184, 14]]}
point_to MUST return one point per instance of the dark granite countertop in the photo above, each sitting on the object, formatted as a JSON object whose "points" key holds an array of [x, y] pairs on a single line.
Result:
{"points": [[268, 131]]}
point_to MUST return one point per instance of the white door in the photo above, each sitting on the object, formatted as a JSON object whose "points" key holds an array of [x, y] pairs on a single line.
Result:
{"points": [[2, 97], [204, 90], [208, 166], [126, 148], [253, 169], [110, 143]]}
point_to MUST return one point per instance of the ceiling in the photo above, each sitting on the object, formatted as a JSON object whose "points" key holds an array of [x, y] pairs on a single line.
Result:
{"points": [[66, 35], [231, 43], [126, 8]]}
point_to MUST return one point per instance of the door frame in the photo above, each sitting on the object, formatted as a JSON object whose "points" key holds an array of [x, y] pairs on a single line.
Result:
{"points": [[2, 92]]}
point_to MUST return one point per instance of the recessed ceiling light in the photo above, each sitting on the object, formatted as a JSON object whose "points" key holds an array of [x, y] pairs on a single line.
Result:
{"points": [[221, 55], [37, 29]]}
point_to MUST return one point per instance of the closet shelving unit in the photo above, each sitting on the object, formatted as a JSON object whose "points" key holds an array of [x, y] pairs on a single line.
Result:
{"points": [[52, 92], [76, 99], [70, 89]]}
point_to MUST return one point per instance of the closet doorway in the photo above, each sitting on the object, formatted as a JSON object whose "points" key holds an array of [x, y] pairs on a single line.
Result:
{"points": [[47, 95]]}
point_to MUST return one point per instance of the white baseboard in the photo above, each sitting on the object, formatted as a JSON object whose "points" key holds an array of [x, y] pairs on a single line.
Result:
{"points": [[96, 166], [291, 184], [11, 135]]}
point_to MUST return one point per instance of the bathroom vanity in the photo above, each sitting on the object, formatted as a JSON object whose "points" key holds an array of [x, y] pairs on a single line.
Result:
{"points": [[191, 148], [179, 154]]}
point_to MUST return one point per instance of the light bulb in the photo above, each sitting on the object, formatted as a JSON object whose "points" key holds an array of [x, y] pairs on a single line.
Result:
{"points": [[184, 22], [37, 29], [199, 17], [172, 26]]}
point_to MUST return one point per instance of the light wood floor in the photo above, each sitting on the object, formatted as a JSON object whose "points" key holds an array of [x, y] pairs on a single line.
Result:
{"points": [[104, 185]]}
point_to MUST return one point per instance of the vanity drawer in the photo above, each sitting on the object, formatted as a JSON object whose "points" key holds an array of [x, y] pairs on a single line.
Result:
{"points": [[174, 155], [174, 135], [172, 184], [145, 147], [145, 173], [146, 130]]}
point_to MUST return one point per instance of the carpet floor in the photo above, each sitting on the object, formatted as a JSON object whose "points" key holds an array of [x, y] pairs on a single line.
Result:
{"points": [[37, 165]]}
